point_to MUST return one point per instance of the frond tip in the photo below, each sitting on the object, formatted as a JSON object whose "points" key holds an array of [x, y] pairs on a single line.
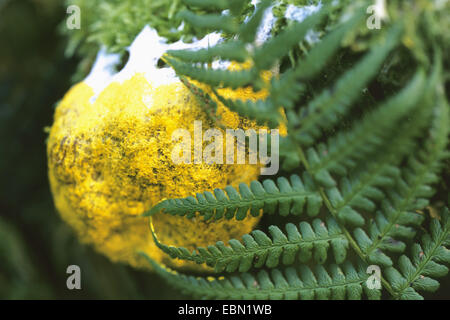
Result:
{"points": [[285, 197]]}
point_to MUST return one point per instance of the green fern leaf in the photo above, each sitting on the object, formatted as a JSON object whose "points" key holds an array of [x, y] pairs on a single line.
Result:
{"points": [[290, 283], [364, 187], [230, 50], [324, 111], [285, 197], [346, 149], [247, 31], [217, 78], [411, 192], [260, 250], [289, 156], [279, 46], [286, 90], [209, 21], [426, 263], [319, 55]]}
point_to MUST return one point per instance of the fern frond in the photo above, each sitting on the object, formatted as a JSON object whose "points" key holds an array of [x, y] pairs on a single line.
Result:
{"points": [[343, 151], [426, 263], [286, 90], [383, 238], [411, 193], [362, 189], [217, 78], [319, 55], [303, 282], [260, 250], [285, 197], [210, 21], [366, 185], [230, 50], [324, 110], [280, 45], [289, 157], [247, 32]]}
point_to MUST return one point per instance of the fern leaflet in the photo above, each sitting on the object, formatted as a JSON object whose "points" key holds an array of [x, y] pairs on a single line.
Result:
{"points": [[290, 283], [324, 110], [286, 197], [417, 273], [259, 250]]}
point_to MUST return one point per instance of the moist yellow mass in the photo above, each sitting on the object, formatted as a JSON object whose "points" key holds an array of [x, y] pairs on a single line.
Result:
{"points": [[109, 161]]}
